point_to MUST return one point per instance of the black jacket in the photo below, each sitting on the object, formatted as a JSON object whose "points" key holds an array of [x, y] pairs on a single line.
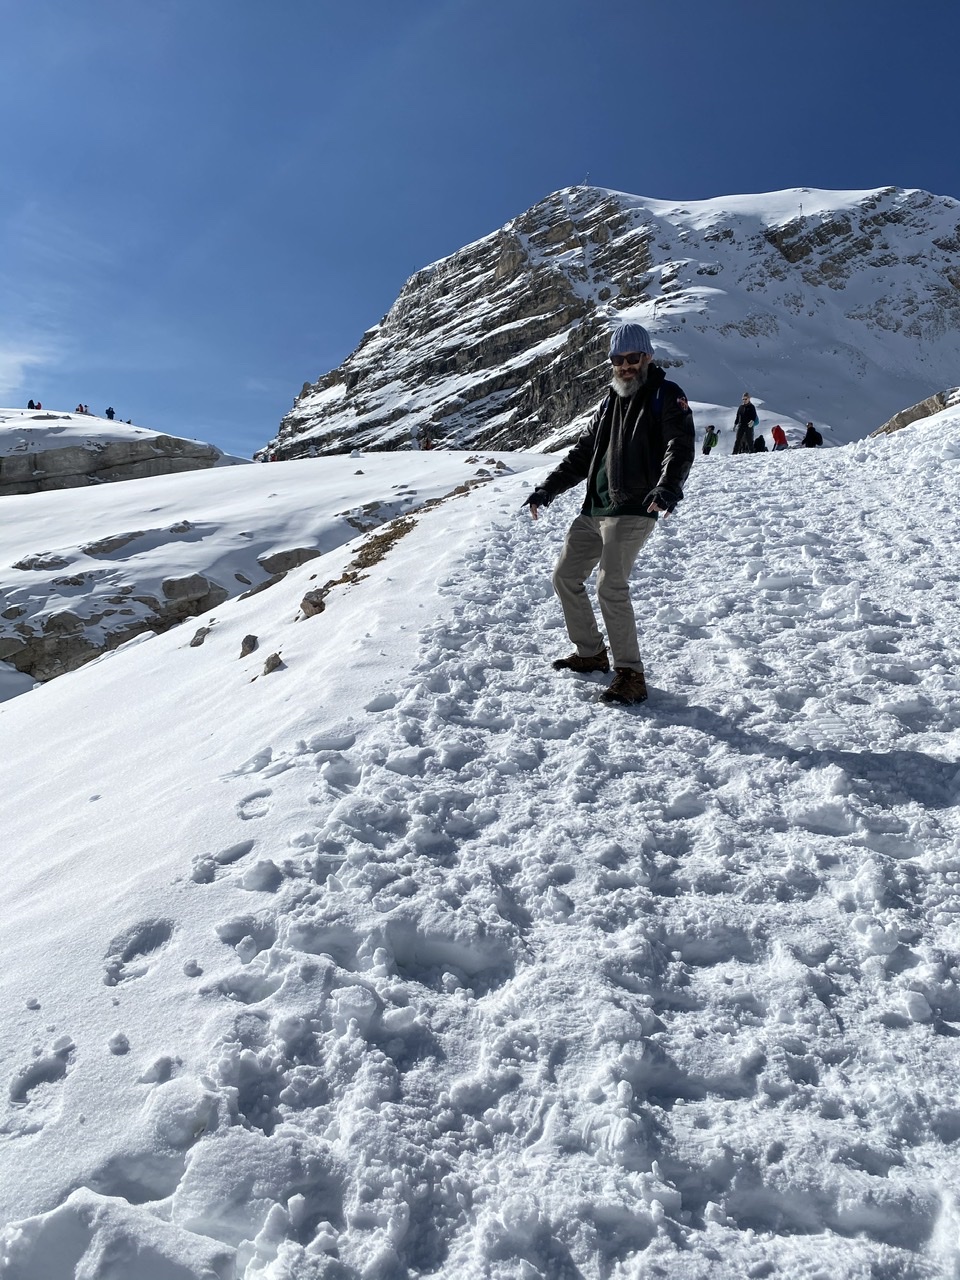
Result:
{"points": [[657, 443], [747, 416]]}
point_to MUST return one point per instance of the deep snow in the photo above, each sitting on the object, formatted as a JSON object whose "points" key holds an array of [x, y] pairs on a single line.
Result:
{"points": [[411, 959]]}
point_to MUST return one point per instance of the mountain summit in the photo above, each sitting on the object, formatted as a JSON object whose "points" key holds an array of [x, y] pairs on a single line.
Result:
{"points": [[837, 306]]}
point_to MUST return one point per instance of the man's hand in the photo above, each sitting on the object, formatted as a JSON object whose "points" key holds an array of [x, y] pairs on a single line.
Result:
{"points": [[536, 500], [661, 500]]}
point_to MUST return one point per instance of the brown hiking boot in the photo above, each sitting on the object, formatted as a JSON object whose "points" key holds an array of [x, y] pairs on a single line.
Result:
{"points": [[574, 662], [627, 686]]}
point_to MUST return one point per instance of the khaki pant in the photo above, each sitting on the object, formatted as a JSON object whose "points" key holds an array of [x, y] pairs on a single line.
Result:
{"points": [[613, 543]]}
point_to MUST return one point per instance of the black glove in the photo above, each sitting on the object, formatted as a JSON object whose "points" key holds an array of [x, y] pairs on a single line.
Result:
{"points": [[538, 499], [663, 497]]}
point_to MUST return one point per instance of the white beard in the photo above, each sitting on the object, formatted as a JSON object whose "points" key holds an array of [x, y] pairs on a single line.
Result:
{"points": [[625, 388]]}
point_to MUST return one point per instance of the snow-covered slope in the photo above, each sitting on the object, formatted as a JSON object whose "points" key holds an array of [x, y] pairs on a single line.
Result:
{"points": [[86, 570], [841, 307], [410, 959]]}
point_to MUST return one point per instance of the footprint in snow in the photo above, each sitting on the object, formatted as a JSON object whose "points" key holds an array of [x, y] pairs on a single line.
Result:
{"points": [[205, 865], [254, 805], [47, 1068], [125, 959], [255, 764]]}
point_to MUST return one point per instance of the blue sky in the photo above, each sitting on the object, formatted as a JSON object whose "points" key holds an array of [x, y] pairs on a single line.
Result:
{"points": [[204, 203]]}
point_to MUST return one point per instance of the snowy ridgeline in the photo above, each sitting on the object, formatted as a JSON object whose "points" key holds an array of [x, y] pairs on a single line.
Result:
{"points": [[409, 959]]}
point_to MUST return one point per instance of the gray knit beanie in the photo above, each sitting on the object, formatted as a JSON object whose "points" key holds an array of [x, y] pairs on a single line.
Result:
{"points": [[628, 338]]}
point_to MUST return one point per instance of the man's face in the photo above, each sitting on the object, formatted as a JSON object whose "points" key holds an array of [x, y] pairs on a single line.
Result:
{"points": [[630, 367]]}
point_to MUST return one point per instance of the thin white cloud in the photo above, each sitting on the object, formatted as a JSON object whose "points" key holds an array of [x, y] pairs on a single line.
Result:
{"points": [[16, 358]]}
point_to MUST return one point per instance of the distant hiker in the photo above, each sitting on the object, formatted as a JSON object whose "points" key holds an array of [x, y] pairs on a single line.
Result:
{"points": [[747, 417], [812, 439], [634, 455], [31, 405], [109, 413], [38, 405], [759, 445], [86, 408], [78, 409], [710, 440], [779, 438]]}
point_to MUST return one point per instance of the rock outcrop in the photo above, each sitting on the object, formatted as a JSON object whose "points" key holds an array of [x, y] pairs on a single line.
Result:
{"points": [[73, 465], [916, 412]]}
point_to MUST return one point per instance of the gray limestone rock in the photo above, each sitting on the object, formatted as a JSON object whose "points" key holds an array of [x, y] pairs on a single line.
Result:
{"points": [[313, 602], [283, 561], [73, 466], [917, 412], [191, 588]]}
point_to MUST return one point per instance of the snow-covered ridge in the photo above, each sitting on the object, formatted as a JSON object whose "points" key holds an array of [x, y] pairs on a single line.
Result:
{"points": [[41, 450], [836, 307], [408, 959]]}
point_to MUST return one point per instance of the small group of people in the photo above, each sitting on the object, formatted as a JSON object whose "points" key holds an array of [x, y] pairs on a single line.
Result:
{"points": [[110, 412], [745, 420], [779, 437]]}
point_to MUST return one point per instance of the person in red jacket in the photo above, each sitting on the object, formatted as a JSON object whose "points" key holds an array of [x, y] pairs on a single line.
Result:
{"points": [[779, 438]]}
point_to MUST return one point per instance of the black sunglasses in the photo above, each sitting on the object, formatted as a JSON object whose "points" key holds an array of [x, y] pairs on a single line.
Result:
{"points": [[633, 358]]}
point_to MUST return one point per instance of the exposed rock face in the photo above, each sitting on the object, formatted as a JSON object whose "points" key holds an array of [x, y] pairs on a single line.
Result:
{"points": [[71, 466], [503, 343], [49, 644], [916, 412], [284, 561]]}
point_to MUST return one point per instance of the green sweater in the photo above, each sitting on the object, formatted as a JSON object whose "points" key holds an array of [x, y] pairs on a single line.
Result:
{"points": [[599, 502]]}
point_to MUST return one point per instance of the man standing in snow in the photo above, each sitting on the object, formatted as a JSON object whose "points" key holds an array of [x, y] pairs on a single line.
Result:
{"points": [[746, 419], [635, 455]]}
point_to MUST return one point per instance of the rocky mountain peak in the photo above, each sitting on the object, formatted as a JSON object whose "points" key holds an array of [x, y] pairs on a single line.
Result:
{"points": [[838, 306]]}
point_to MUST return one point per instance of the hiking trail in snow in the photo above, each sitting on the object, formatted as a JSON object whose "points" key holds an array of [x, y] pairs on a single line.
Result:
{"points": [[531, 986]]}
